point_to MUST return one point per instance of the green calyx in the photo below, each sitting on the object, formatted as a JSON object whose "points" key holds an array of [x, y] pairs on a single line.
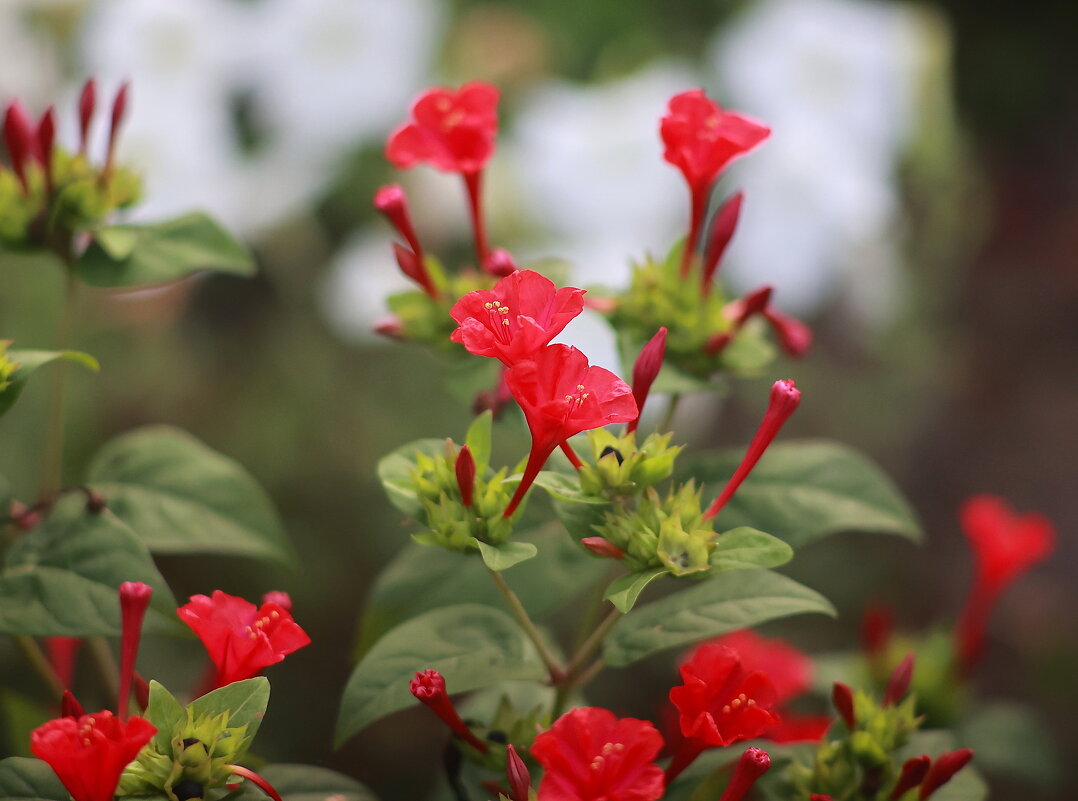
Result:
{"points": [[425, 319], [199, 752], [82, 197], [658, 296], [665, 532], [862, 763], [450, 523], [7, 366], [619, 468]]}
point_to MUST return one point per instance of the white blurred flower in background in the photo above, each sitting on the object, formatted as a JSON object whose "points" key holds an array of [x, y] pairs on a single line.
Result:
{"points": [[837, 81], [29, 59]]}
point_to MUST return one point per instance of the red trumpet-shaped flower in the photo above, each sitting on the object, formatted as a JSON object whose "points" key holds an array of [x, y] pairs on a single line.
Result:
{"points": [[89, 753], [240, 637], [512, 321], [428, 688], [753, 764], [785, 398], [700, 139], [645, 370], [591, 755], [134, 599], [451, 131], [562, 395], [1005, 545]]}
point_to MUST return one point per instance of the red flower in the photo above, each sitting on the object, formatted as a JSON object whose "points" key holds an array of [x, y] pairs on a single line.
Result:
{"points": [[451, 131], [721, 701], [89, 753], [521, 314], [241, 638], [1005, 546], [562, 395], [701, 138], [591, 755], [789, 670]]}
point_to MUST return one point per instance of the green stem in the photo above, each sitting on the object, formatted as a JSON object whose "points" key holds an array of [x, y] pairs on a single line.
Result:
{"points": [[521, 614], [590, 672], [591, 645], [52, 468], [40, 663], [106, 664], [668, 418]]}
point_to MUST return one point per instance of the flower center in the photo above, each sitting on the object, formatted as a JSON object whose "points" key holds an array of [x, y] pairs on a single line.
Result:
{"points": [[498, 320], [741, 701]]}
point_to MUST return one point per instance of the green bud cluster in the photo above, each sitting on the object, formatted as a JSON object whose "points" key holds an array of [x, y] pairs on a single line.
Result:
{"points": [[658, 296], [618, 468], [7, 366], [425, 319], [941, 692], [198, 752], [82, 196], [451, 524], [665, 532], [863, 763]]}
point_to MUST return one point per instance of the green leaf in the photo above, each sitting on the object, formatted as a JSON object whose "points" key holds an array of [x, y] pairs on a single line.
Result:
{"points": [[471, 645], [1008, 739], [139, 255], [29, 361], [803, 491], [714, 606], [62, 578], [504, 556], [421, 578], [180, 496], [562, 486], [395, 473], [746, 548], [245, 701], [624, 590], [478, 440], [305, 783], [166, 713], [25, 779]]}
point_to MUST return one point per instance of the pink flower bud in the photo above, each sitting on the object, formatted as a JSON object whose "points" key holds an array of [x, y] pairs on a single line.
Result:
{"points": [[87, 103], [913, 773], [645, 370], [390, 327], [282, 599], [722, 230], [465, 468], [500, 263], [842, 698], [942, 769], [520, 780], [794, 336], [899, 682], [392, 202], [602, 547], [740, 311], [784, 399]]}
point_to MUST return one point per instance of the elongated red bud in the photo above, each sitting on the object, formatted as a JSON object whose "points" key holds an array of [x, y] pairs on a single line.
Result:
{"points": [[412, 266], [390, 327], [465, 467], [134, 598], [87, 104], [602, 547], [500, 263], [942, 769], [142, 691], [392, 202], [46, 138], [119, 112], [794, 337], [722, 230], [740, 311], [429, 688], [820, 797], [784, 399], [842, 698], [899, 682], [520, 780], [62, 652], [754, 763], [645, 369], [877, 626], [716, 343], [282, 599], [913, 773], [19, 140], [70, 706]]}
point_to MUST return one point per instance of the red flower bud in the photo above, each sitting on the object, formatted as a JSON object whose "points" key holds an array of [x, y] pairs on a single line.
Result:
{"points": [[429, 688], [716, 343], [899, 682], [754, 763], [842, 698], [942, 769], [752, 304], [411, 264], [390, 327], [645, 370], [282, 599], [520, 780], [392, 202], [87, 103], [20, 140], [784, 399], [723, 225], [877, 626], [119, 111], [62, 652], [46, 137], [819, 797], [500, 263], [913, 773], [465, 468], [602, 547], [142, 691], [794, 336], [134, 599], [70, 706]]}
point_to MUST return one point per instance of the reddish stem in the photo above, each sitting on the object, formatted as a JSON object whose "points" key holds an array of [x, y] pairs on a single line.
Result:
{"points": [[699, 208], [473, 183], [570, 454], [256, 780]]}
